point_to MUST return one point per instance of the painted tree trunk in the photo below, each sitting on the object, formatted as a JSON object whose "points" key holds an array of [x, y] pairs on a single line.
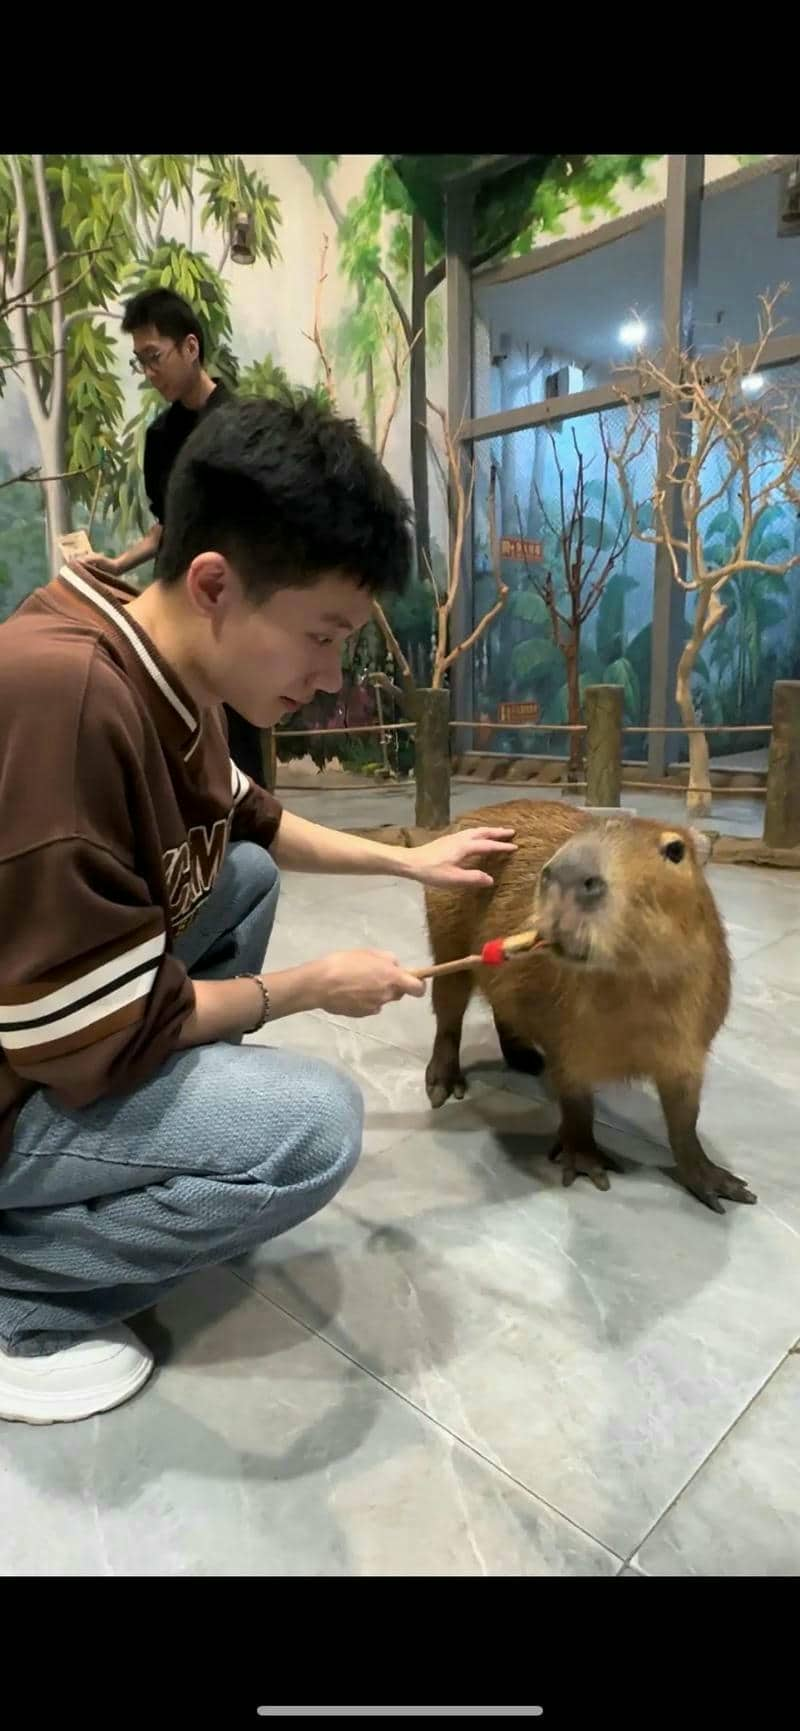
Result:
{"points": [[57, 502], [50, 429], [418, 391], [369, 404], [49, 419], [535, 528], [575, 754], [431, 711]]}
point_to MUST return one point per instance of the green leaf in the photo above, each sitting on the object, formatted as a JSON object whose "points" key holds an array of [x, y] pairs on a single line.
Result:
{"points": [[723, 523], [769, 519], [622, 673], [611, 615], [770, 613], [594, 489], [527, 605], [536, 656], [765, 547]]}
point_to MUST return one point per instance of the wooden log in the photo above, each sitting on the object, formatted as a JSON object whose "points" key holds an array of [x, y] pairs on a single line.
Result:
{"points": [[603, 706], [782, 804], [431, 711]]}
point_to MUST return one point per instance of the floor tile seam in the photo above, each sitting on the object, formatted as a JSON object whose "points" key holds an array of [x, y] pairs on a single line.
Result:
{"points": [[429, 1418]]}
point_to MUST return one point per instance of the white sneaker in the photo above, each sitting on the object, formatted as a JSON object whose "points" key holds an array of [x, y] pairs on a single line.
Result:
{"points": [[91, 1377]]}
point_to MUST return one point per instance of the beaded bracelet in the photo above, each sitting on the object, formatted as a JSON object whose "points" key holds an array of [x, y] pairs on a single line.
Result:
{"points": [[264, 1017]]}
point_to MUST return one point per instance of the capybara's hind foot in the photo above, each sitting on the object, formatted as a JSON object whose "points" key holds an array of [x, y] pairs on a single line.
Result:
{"points": [[444, 1077], [709, 1182], [590, 1162]]}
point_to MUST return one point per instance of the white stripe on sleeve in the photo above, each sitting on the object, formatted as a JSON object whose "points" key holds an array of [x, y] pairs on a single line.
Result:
{"points": [[240, 784], [98, 1011], [97, 980]]}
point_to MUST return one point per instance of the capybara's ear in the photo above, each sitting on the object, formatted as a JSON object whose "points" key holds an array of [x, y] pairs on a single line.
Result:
{"points": [[702, 846]]}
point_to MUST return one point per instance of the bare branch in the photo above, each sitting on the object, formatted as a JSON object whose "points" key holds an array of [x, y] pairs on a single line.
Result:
{"points": [[398, 369], [545, 590], [34, 477], [431, 576], [398, 307], [160, 218], [316, 334], [6, 254], [483, 624], [384, 683], [403, 664], [21, 298], [716, 425], [87, 313]]}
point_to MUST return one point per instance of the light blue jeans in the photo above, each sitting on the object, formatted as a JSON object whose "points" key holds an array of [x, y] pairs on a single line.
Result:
{"points": [[104, 1210]]}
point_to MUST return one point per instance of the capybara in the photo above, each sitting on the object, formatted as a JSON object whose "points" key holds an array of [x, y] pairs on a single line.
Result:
{"points": [[634, 981]]}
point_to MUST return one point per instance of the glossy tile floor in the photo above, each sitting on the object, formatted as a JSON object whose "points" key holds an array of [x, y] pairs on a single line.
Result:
{"points": [[460, 1368]]}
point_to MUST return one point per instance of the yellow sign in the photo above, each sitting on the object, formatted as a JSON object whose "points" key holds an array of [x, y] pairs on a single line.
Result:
{"points": [[514, 547], [514, 713]]}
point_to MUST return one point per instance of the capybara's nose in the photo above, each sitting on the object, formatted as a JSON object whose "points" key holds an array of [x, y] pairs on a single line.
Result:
{"points": [[576, 871]]}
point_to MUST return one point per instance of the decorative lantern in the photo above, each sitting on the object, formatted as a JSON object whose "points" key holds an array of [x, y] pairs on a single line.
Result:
{"points": [[241, 238]]}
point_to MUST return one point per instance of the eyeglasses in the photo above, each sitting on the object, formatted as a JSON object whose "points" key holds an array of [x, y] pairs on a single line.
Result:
{"points": [[151, 359]]}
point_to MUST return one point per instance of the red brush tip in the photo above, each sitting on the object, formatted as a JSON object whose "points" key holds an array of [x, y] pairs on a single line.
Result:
{"points": [[493, 953]]}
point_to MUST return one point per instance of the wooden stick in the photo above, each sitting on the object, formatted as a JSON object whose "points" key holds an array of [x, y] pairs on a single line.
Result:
{"points": [[457, 967], [497, 950]]}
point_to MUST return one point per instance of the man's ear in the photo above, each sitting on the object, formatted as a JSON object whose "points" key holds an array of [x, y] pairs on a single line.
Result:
{"points": [[211, 584]]}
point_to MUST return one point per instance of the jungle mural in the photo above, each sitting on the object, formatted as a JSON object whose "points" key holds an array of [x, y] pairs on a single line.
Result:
{"points": [[80, 234]]}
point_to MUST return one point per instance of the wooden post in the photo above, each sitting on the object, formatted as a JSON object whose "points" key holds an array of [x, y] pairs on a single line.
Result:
{"points": [[782, 804], [269, 757], [603, 708], [431, 712]]}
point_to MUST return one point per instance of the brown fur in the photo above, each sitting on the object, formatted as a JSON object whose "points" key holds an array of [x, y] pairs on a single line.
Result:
{"points": [[645, 1000]]}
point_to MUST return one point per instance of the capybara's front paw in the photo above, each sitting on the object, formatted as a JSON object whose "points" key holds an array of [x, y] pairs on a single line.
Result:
{"points": [[444, 1077], [590, 1162], [709, 1182]]}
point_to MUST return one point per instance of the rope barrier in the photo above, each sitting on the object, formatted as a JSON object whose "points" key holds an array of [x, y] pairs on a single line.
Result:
{"points": [[326, 732], [682, 787], [516, 727], [520, 726]]}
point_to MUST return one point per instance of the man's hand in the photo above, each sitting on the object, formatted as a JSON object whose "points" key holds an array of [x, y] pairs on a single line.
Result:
{"points": [[361, 982], [441, 863], [104, 566]]}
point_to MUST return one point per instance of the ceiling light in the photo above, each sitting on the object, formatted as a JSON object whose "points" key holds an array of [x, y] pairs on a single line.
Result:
{"points": [[632, 334]]}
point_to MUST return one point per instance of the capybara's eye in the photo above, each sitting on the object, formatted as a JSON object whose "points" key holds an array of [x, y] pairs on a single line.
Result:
{"points": [[674, 851]]}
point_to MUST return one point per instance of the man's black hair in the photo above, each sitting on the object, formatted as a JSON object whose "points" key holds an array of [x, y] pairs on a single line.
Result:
{"points": [[169, 313], [287, 494]]}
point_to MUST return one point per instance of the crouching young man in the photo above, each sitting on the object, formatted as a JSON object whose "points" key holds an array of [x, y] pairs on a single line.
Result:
{"points": [[139, 1140]]}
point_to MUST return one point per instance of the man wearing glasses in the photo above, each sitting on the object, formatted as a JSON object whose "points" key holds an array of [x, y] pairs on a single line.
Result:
{"points": [[169, 350]]}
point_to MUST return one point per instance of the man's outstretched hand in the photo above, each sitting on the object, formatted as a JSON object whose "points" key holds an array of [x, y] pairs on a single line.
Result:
{"points": [[361, 982], [441, 863]]}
